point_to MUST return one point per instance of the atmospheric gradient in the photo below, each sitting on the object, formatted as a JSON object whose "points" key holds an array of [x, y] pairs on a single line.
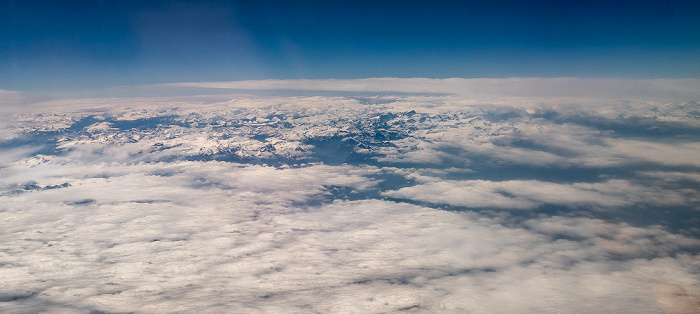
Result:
{"points": [[349, 157]]}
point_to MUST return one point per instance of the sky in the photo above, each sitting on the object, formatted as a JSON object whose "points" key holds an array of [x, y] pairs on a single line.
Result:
{"points": [[77, 45], [349, 156]]}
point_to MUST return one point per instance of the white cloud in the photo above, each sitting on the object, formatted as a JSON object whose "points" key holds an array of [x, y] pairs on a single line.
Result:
{"points": [[617, 89], [678, 154], [124, 216], [210, 247], [617, 239], [14, 102], [529, 194], [10, 99], [673, 176]]}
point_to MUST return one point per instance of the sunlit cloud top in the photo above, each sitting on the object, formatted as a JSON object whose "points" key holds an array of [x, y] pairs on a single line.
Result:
{"points": [[611, 89]]}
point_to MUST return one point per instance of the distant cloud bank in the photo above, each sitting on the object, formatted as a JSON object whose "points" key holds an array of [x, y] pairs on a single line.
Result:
{"points": [[619, 89]]}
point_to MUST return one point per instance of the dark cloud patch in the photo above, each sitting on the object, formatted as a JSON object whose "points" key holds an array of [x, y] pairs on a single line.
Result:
{"points": [[85, 202]]}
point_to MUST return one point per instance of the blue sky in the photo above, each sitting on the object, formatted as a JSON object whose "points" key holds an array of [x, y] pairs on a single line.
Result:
{"points": [[55, 45]]}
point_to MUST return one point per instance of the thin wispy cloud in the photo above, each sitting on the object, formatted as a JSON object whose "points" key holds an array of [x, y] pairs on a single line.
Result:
{"points": [[615, 89]]}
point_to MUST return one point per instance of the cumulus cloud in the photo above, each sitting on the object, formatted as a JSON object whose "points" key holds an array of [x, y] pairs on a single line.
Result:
{"points": [[529, 194], [617, 239], [673, 176], [408, 203], [164, 237], [207, 244]]}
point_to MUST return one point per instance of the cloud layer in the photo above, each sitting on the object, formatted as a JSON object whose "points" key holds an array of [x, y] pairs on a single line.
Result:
{"points": [[617, 89], [411, 203]]}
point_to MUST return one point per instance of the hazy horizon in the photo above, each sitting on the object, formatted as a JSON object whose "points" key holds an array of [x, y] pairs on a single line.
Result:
{"points": [[54, 45], [349, 156]]}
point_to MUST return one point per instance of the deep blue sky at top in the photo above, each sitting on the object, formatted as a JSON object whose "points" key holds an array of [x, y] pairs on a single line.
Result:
{"points": [[50, 45]]}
